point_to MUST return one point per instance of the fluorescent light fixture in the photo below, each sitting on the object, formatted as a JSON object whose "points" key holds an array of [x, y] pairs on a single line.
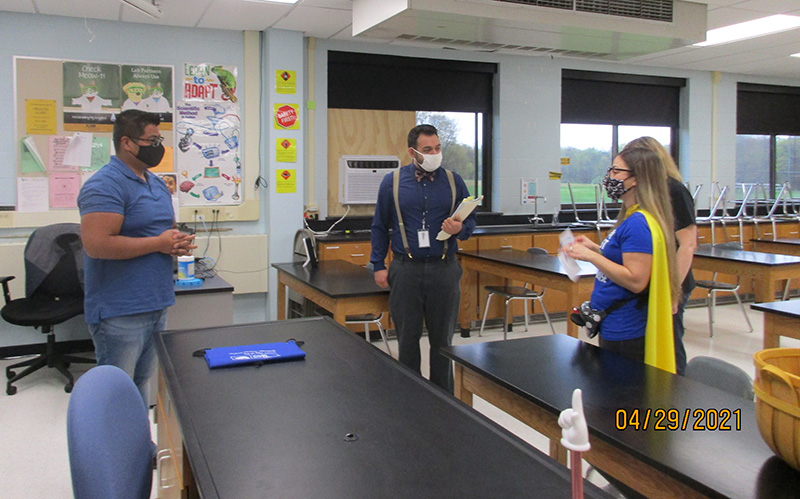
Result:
{"points": [[272, 1], [750, 29], [146, 7], [795, 55]]}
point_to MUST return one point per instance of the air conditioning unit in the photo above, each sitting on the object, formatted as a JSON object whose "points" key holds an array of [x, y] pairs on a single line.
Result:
{"points": [[360, 177]]}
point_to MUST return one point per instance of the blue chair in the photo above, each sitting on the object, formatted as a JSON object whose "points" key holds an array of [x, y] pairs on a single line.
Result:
{"points": [[108, 433]]}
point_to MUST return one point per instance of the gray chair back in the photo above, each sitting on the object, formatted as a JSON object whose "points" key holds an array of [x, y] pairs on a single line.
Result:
{"points": [[720, 374]]}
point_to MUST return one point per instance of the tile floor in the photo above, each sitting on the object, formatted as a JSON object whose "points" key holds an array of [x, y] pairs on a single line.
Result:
{"points": [[33, 448]]}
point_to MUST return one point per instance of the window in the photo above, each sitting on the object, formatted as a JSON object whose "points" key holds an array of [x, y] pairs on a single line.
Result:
{"points": [[600, 113], [454, 96], [768, 139], [590, 150], [462, 144]]}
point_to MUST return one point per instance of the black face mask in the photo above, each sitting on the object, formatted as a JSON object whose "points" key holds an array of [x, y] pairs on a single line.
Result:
{"points": [[151, 156]]}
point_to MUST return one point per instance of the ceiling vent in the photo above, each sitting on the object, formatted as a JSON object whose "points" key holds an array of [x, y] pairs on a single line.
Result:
{"points": [[604, 29]]}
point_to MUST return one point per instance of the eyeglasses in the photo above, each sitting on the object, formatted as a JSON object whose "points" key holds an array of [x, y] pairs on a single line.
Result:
{"points": [[153, 142], [616, 170]]}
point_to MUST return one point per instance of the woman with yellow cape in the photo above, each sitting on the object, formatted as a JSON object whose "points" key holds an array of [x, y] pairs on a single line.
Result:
{"points": [[637, 282]]}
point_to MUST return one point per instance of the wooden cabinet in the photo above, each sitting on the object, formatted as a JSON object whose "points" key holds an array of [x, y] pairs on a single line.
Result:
{"points": [[355, 252], [173, 472]]}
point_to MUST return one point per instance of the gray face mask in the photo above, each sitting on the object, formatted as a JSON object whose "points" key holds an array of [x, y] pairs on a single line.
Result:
{"points": [[614, 187]]}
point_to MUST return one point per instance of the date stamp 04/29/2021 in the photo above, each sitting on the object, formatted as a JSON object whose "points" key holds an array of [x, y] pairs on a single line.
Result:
{"points": [[678, 420]]}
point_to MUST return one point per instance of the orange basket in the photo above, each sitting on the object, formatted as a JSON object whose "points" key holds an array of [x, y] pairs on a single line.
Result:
{"points": [[777, 389]]}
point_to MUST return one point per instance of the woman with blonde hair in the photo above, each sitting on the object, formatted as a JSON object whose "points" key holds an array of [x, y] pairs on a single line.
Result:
{"points": [[637, 281], [685, 236]]}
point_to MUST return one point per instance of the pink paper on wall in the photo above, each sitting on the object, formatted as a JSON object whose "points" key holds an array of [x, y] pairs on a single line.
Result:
{"points": [[64, 189]]}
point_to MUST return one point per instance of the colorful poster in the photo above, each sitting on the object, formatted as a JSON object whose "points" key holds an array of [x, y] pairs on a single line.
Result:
{"points": [[91, 95], [40, 117], [209, 169], [148, 88], [209, 82], [285, 181], [287, 117], [285, 82]]}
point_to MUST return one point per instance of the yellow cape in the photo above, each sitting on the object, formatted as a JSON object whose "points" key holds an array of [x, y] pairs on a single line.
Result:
{"points": [[659, 344]]}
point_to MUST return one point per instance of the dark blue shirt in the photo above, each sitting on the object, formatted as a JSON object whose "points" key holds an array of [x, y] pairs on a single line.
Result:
{"points": [[114, 288], [431, 200], [629, 321]]}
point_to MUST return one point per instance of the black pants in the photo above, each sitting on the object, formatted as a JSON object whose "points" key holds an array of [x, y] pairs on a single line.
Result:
{"points": [[632, 349], [429, 291]]}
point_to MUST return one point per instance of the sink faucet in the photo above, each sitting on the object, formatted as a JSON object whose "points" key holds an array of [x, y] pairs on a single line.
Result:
{"points": [[535, 219]]}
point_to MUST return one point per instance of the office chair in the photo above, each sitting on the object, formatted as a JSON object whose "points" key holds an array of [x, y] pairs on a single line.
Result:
{"points": [[367, 319], [53, 294], [108, 437], [713, 286], [720, 374], [516, 293]]}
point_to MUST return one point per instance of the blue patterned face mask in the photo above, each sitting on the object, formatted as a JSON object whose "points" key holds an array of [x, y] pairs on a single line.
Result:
{"points": [[614, 187]]}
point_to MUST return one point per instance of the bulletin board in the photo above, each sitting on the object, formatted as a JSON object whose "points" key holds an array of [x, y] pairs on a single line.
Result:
{"points": [[65, 112], [59, 102]]}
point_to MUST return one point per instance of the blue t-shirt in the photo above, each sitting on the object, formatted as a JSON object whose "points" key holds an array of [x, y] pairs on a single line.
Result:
{"points": [[630, 320], [115, 288]]}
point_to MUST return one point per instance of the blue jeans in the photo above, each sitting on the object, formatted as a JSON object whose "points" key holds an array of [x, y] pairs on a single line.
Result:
{"points": [[128, 342]]}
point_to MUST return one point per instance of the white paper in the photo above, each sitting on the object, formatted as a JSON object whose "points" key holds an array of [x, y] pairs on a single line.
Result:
{"points": [[32, 194], [566, 238], [31, 146], [79, 150], [463, 210]]}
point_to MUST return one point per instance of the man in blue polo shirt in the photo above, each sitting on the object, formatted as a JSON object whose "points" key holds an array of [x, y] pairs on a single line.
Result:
{"points": [[127, 228], [424, 277]]}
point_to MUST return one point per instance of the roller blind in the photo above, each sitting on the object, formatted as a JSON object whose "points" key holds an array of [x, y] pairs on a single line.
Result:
{"points": [[620, 99], [767, 109], [369, 81]]}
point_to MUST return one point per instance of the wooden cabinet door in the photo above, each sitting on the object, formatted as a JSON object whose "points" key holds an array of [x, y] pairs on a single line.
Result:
{"points": [[355, 252]]}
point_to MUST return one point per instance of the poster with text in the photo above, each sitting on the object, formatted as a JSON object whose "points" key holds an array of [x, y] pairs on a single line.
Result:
{"points": [[148, 88], [91, 96], [210, 82], [209, 169]]}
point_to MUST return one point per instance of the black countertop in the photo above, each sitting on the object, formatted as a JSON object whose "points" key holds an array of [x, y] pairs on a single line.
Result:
{"points": [[348, 421], [546, 369]]}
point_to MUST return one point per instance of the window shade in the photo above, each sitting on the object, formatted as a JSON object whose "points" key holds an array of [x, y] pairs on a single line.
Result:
{"points": [[368, 81], [767, 109], [591, 97]]}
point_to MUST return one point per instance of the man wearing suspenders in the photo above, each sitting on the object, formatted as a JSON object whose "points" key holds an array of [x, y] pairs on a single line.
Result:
{"points": [[415, 203]]}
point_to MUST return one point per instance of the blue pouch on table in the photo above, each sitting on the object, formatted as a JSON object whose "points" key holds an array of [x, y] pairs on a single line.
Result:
{"points": [[261, 353]]}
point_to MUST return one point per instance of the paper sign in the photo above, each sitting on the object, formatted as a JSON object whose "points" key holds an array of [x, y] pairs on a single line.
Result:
{"points": [[30, 159], [58, 147], [285, 82], [285, 181], [40, 116], [287, 117], [286, 150], [31, 194], [64, 189], [101, 153], [79, 150]]}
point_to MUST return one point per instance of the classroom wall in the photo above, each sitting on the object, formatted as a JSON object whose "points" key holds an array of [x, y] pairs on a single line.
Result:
{"points": [[70, 38], [528, 117]]}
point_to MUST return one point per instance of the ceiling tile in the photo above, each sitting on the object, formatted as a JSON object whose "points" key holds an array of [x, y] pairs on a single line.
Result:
{"points": [[315, 21]]}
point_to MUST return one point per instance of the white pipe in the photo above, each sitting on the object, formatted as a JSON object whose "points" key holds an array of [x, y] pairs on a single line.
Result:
{"points": [[310, 128], [716, 76]]}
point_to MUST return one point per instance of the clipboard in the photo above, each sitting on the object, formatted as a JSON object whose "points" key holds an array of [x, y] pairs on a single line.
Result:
{"points": [[462, 211]]}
